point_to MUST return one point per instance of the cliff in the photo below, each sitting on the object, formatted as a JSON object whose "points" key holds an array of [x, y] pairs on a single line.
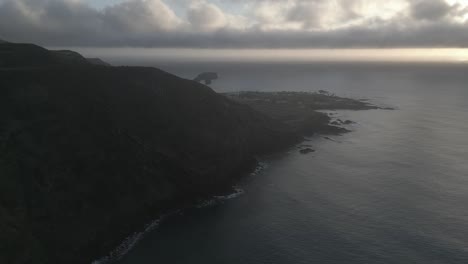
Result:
{"points": [[89, 153]]}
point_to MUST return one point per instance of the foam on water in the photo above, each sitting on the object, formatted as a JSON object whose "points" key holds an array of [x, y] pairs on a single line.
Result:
{"points": [[262, 165], [133, 239]]}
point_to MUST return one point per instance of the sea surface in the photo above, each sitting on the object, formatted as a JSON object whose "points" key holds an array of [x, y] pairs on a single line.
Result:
{"points": [[394, 190]]}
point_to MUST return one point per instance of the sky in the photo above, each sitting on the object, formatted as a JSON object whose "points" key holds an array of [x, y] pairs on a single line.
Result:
{"points": [[237, 24]]}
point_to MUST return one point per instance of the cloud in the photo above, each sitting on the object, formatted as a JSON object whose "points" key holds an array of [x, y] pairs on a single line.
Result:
{"points": [[141, 16], [430, 10], [33, 19], [239, 24], [321, 14], [308, 13], [72, 22], [206, 17]]}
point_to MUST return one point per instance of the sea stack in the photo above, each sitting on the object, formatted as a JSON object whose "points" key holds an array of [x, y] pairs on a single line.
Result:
{"points": [[206, 77]]}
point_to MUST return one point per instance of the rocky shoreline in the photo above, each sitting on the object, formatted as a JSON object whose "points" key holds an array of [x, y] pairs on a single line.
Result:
{"points": [[300, 111], [270, 104]]}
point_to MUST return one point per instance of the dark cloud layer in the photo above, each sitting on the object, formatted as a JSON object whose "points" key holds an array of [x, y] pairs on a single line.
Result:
{"points": [[153, 23], [430, 10]]}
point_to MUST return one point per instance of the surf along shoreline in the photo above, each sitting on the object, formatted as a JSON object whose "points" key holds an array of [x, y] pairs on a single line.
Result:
{"points": [[299, 111]]}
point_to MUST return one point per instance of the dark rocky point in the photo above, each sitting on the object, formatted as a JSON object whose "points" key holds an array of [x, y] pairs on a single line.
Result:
{"points": [[298, 110], [306, 151]]}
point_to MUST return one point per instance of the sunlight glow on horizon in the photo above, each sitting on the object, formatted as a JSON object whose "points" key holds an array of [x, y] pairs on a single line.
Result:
{"points": [[453, 55]]}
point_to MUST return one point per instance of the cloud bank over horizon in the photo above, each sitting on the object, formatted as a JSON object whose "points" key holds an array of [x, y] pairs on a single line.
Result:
{"points": [[237, 24]]}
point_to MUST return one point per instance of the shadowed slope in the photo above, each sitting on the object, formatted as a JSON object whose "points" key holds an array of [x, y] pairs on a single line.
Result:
{"points": [[88, 154]]}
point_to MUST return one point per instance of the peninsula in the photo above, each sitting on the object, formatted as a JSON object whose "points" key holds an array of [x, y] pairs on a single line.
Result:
{"points": [[89, 152]]}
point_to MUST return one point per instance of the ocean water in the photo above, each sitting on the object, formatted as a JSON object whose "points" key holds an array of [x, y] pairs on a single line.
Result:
{"points": [[394, 190]]}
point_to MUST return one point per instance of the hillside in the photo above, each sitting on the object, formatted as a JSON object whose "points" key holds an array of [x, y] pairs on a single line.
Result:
{"points": [[97, 61], [89, 154]]}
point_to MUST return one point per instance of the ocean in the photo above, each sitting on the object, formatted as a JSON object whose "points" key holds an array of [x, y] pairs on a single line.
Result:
{"points": [[394, 190]]}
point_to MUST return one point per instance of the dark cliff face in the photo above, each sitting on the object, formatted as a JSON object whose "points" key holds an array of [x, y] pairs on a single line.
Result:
{"points": [[88, 154]]}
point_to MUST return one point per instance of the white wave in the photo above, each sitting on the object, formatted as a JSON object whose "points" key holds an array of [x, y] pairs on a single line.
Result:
{"points": [[237, 192], [130, 242], [260, 167], [133, 239], [220, 199]]}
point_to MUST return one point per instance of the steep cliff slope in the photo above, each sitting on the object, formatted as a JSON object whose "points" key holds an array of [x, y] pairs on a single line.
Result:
{"points": [[88, 154]]}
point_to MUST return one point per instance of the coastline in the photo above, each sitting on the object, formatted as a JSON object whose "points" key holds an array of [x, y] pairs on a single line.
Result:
{"points": [[143, 139], [331, 125], [131, 241]]}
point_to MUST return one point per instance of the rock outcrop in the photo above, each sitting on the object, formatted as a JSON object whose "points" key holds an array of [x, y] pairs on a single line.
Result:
{"points": [[207, 77]]}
